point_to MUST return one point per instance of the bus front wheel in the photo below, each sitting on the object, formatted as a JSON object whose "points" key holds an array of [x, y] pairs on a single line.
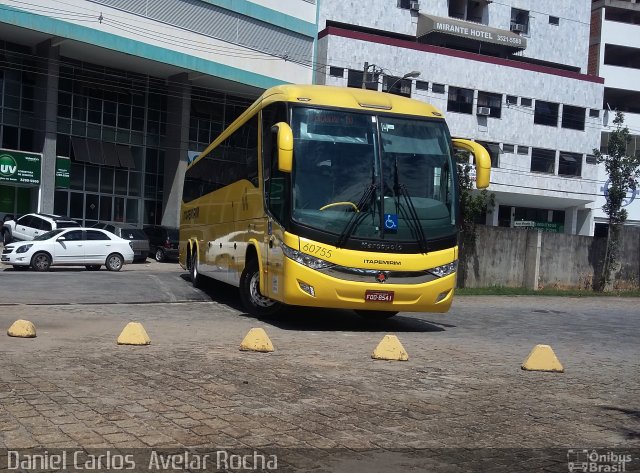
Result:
{"points": [[254, 302]]}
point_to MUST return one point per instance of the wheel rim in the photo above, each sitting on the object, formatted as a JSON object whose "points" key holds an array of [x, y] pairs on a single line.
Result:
{"points": [[41, 262], [159, 255], [254, 292], [114, 262]]}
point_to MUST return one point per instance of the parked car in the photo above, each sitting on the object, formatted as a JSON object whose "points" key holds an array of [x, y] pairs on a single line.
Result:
{"points": [[90, 247], [163, 242], [32, 225], [138, 238]]}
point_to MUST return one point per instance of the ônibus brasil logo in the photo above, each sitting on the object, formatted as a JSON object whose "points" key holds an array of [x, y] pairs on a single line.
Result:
{"points": [[8, 165]]}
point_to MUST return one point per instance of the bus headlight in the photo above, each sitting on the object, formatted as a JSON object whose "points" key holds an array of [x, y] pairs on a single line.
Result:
{"points": [[445, 269], [304, 259]]}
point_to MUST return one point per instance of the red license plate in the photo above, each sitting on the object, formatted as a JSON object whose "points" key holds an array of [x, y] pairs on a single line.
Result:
{"points": [[378, 296]]}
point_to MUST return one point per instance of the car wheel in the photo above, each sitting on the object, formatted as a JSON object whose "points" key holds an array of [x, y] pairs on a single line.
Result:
{"points": [[114, 262], [41, 262], [375, 314], [160, 257], [194, 273], [255, 303], [93, 267], [6, 237]]}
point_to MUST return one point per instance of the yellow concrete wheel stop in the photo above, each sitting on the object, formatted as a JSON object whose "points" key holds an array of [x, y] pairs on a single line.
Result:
{"points": [[542, 358], [134, 334], [390, 349], [256, 340], [22, 329]]}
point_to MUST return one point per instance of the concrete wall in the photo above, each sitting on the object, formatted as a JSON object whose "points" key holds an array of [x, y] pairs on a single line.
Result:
{"points": [[504, 257]]}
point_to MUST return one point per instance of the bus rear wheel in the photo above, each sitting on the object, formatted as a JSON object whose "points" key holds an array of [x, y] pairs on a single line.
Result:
{"points": [[254, 302], [375, 314]]}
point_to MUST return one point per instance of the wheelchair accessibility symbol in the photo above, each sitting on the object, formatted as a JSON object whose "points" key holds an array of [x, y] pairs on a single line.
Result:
{"points": [[391, 222]]}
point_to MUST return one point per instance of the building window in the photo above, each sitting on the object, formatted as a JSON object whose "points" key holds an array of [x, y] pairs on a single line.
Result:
{"points": [[336, 71], [355, 79], [494, 151], [570, 164], [573, 117], [519, 21], [492, 102], [438, 88], [507, 148], [523, 150], [543, 160], [591, 159], [512, 100], [460, 100], [594, 113], [546, 113], [396, 85], [604, 142], [406, 4], [554, 20], [469, 10], [526, 102], [422, 85]]}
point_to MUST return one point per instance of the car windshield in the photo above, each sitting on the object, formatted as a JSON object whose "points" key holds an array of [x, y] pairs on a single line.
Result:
{"points": [[49, 235], [348, 163]]}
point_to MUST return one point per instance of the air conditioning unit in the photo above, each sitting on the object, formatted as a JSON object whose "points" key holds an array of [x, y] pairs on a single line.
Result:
{"points": [[517, 27], [483, 111], [414, 5]]}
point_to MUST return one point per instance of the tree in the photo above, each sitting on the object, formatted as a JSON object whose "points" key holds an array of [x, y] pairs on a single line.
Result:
{"points": [[623, 171], [472, 205]]}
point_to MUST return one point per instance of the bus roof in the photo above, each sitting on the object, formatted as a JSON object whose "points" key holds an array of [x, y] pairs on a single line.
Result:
{"points": [[347, 97]]}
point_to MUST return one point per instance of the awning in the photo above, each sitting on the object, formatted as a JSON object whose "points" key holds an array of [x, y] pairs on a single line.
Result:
{"points": [[434, 26], [125, 157], [80, 149], [95, 151]]}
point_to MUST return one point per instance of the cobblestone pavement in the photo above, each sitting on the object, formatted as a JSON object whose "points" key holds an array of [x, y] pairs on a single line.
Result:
{"points": [[320, 398]]}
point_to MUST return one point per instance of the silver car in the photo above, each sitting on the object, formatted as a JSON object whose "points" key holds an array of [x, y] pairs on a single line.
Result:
{"points": [[138, 238]]}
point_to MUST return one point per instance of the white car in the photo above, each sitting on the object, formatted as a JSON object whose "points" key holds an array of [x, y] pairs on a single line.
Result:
{"points": [[90, 247]]}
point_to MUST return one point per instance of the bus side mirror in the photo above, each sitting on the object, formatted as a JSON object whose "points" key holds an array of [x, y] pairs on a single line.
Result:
{"points": [[483, 160], [285, 146]]}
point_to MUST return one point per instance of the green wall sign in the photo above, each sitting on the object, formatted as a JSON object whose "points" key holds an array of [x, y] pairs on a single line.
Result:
{"points": [[19, 168], [63, 165]]}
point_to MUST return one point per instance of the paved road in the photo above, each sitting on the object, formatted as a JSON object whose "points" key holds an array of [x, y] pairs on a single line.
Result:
{"points": [[319, 401]]}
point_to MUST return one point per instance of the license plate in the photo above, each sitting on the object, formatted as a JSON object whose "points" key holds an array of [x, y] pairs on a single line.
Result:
{"points": [[378, 296]]}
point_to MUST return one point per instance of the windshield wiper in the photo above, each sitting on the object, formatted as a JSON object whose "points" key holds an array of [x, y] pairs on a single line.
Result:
{"points": [[412, 218], [357, 216]]}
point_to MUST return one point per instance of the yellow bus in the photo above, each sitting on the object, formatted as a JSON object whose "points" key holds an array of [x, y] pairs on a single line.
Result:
{"points": [[329, 197]]}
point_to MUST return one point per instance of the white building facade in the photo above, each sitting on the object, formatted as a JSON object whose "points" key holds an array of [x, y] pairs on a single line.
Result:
{"points": [[511, 75], [614, 54]]}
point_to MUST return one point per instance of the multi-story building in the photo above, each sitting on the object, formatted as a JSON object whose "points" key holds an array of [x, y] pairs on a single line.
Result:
{"points": [[101, 101], [512, 75], [614, 54]]}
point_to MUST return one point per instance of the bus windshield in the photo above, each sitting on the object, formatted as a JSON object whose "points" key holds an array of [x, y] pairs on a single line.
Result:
{"points": [[372, 176]]}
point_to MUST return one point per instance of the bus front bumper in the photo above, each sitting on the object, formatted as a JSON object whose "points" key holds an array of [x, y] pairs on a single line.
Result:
{"points": [[307, 287]]}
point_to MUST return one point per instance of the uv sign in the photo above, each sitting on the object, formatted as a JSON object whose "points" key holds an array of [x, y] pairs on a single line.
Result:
{"points": [[8, 166]]}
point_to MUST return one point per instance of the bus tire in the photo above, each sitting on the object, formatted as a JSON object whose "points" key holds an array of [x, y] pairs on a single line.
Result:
{"points": [[375, 314], [255, 303], [194, 273]]}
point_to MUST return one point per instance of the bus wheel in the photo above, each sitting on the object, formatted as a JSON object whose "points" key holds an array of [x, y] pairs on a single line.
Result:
{"points": [[196, 278], [255, 303], [375, 314]]}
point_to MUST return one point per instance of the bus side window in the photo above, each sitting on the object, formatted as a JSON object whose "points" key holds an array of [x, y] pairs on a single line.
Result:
{"points": [[275, 181]]}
